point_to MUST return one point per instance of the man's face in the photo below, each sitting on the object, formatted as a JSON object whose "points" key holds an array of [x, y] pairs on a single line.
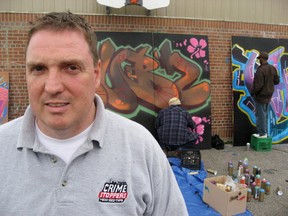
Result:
{"points": [[61, 79]]}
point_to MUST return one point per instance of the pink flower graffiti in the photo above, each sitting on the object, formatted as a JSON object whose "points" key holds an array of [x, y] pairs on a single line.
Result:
{"points": [[200, 128], [196, 48]]}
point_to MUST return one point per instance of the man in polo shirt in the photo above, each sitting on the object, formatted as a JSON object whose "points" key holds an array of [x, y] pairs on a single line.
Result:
{"points": [[68, 155]]}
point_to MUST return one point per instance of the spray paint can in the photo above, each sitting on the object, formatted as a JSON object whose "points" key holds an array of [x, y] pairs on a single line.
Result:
{"points": [[249, 194], [263, 183], [253, 185], [255, 170], [240, 170], [261, 195], [242, 180], [267, 188], [230, 163], [257, 192], [248, 146], [247, 179], [230, 170], [252, 178], [279, 191], [245, 164], [258, 180], [239, 163], [247, 171], [258, 171], [214, 172]]}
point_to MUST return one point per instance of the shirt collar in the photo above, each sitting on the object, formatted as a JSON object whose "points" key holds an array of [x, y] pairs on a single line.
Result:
{"points": [[96, 135]]}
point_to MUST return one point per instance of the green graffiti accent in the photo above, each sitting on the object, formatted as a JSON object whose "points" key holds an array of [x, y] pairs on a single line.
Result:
{"points": [[137, 110]]}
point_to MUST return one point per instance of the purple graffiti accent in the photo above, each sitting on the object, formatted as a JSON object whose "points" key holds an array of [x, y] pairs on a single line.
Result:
{"points": [[249, 71], [200, 127], [197, 48], [278, 103]]}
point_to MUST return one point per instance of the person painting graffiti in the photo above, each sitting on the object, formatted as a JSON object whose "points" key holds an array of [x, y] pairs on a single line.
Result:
{"points": [[175, 126], [68, 155], [263, 87]]}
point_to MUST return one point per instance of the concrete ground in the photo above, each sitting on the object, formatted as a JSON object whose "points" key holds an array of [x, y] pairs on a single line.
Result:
{"points": [[273, 166]]}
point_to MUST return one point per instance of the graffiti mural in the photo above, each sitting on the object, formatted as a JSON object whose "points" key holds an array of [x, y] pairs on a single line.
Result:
{"points": [[4, 87], [142, 71], [244, 62]]}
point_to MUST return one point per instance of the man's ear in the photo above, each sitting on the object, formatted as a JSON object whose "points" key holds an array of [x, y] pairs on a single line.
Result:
{"points": [[97, 71]]}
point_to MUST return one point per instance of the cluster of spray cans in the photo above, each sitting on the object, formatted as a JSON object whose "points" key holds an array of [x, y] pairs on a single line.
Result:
{"points": [[257, 186]]}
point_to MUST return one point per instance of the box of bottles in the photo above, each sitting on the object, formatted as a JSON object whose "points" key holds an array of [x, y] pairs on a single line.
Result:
{"points": [[261, 144], [191, 159], [226, 197]]}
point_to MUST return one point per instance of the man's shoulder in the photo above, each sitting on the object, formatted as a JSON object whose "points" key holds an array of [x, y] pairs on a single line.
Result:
{"points": [[9, 133], [121, 121], [268, 66], [166, 109], [11, 125]]}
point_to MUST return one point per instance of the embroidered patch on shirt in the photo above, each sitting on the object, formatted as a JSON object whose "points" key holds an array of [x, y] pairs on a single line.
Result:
{"points": [[113, 192]]}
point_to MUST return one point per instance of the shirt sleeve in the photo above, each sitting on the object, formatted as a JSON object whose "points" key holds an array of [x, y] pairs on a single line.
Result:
{"points": [[191, 123], [276, 78]]}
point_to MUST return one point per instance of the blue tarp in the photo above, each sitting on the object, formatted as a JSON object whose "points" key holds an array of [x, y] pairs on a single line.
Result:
{"points": [[191, 187]]}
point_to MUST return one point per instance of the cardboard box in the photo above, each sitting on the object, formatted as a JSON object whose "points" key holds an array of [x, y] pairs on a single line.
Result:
{"points": [[226, 203]]}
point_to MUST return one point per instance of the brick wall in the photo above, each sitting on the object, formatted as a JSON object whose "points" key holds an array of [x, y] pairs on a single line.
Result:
{"points": [[13, 40]]}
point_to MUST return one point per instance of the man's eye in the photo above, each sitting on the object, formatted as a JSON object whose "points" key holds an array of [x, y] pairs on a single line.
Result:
{"points": [[38, 68], [72, 67]]}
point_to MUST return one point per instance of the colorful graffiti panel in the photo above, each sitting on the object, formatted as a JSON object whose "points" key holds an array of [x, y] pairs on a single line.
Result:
{"points": [[244, 63], [4, 89], [142, 71]]}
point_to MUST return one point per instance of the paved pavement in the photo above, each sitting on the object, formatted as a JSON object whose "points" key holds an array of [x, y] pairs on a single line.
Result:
{"points": [[273, 166]]}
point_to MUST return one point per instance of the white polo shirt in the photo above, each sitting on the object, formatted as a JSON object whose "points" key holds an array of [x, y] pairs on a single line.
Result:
{"points": [[118, 170]]}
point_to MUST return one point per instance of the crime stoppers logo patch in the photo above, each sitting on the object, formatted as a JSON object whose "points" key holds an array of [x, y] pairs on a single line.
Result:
{"points": [[113, 192]]}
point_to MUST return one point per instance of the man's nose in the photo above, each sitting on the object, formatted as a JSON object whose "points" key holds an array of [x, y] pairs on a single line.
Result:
{"points": [[54, 82]]}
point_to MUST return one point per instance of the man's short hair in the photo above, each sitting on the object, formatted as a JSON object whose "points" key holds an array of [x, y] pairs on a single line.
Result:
{"points": [[263, 55], [59, 21]]}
